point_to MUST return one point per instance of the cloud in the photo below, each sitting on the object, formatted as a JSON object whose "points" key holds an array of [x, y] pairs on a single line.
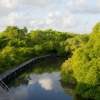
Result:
{"points": [[47, 84], [50, 81], [16, 3], [61, 15], [84, 6], [98, 3], [15, 18], [69, 20], [79, 3], [56, 19], [62, 20], [54, 13], [8, 3], [35, 2], [12, 18], [46, 81]]}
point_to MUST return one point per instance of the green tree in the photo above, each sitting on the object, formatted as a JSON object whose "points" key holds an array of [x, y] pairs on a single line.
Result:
{"points": [[14, 32], [86, 66]]}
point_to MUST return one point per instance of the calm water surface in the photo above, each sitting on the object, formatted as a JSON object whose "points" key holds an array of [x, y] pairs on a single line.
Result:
{"points": [[39, 86], [44, 86]]}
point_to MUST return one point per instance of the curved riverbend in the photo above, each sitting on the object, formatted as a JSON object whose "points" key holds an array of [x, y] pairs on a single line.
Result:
{"points": [[41, 82], [24, 66]]}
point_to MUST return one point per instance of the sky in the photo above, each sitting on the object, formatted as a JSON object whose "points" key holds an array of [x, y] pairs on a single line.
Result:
{"points": [[62, 15]]}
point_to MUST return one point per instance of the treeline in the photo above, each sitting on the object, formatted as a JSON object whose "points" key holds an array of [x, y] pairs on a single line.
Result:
{"points": [[82, 70], [18, 45], [82, 67]]}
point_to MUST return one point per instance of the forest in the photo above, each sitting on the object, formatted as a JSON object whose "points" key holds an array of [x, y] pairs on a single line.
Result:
{"points": [[82, 52]]}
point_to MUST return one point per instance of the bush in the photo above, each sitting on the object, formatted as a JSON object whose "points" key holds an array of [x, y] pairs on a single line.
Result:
{"points": [[67, 73], [86, 66]]}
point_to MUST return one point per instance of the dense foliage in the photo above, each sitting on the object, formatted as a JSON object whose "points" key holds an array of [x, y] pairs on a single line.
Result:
{"points": [[17, 45], [84, 67]]}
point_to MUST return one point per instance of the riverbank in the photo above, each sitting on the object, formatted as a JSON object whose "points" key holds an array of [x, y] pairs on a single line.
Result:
{"points": [[42, 81], [24, 66]]}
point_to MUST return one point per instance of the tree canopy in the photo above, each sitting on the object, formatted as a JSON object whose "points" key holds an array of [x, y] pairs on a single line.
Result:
{"points": [[82, 67], [85, 66]]}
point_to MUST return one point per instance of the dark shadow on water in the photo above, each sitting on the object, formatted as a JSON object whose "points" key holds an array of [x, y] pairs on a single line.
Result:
{"points": [[82, 91]]}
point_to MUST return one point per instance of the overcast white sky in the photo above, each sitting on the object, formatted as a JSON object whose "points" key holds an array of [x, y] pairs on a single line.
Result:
{"points": [[63, 15]]}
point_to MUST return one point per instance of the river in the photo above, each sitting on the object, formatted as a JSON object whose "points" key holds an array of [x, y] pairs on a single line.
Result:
{"points": [[42, 82]]}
